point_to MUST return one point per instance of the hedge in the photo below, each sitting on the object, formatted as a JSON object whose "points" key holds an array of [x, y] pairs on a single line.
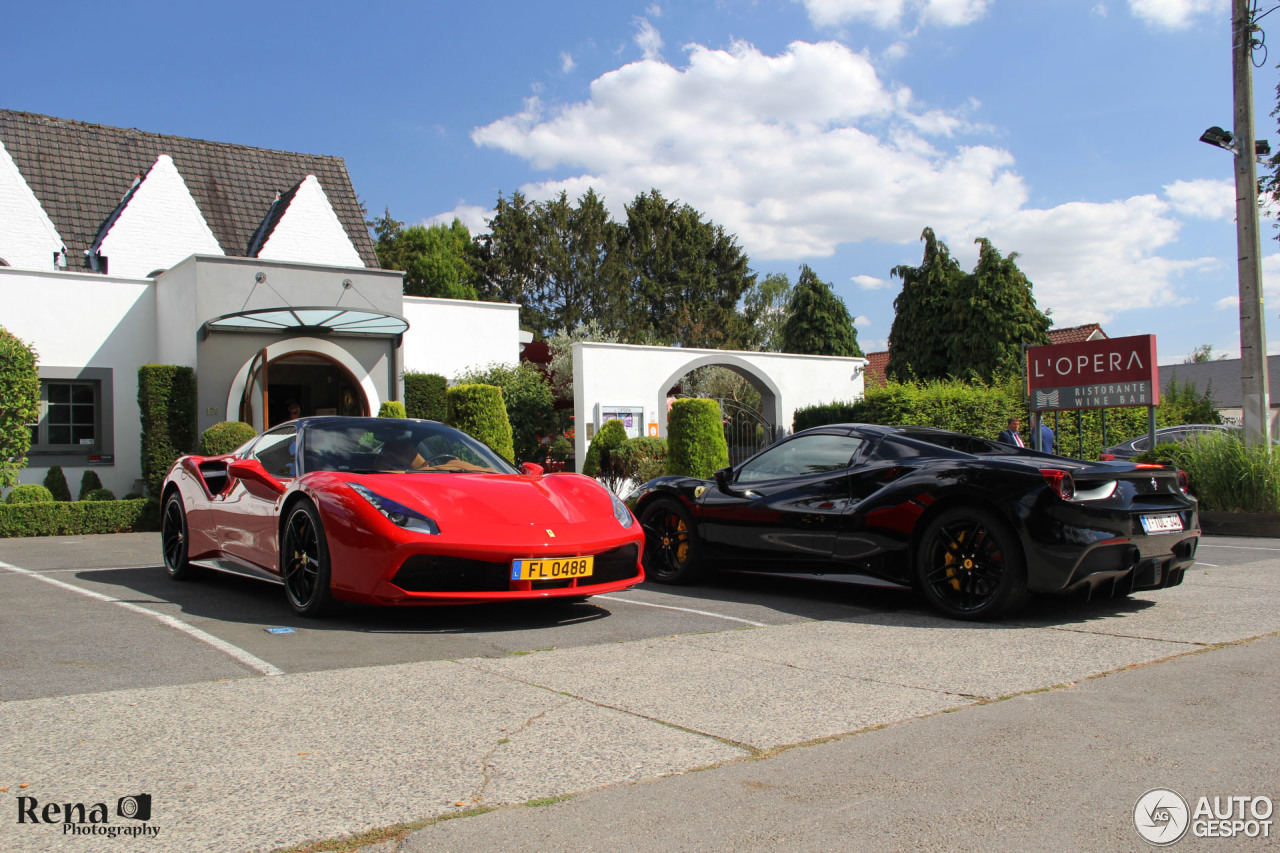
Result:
{"points": [[89, 481], [391, 409], [424, 396], [224, 437], [642, 459], [99, 495], [19, 404], [478, 411], [167, 407], [599, 458], [30, 493], [56, 482], [74, 519], [695, 438]]}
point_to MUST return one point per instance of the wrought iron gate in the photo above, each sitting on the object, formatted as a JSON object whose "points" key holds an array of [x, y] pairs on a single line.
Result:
{"points": [[745, 431]]}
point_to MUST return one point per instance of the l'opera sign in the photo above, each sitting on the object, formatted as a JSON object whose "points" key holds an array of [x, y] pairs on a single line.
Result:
{"points": [[1104, 374]]}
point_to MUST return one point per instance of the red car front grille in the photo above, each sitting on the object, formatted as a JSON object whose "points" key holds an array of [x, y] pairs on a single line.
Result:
{"points": [[431, 573]]}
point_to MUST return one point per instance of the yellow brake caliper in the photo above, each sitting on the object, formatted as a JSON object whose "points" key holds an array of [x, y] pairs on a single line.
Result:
{"points": [[953, 574], [682, 551]]}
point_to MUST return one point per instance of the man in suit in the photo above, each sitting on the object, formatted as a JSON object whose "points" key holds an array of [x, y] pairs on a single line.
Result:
{"points": [[1010, 436]]}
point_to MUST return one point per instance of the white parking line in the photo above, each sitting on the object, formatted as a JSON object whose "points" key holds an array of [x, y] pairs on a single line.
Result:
{"points": [[682, 610], [1204, 544], [250, 660]]}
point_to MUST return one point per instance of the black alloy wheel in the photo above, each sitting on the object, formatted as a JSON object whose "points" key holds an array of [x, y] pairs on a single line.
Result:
{"points": [[173, 539], [970, 565], [304, 562], [670, 543]]}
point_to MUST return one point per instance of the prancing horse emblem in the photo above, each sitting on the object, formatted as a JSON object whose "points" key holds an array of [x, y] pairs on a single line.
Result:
{"points": [[699, 491], [551, 533]]}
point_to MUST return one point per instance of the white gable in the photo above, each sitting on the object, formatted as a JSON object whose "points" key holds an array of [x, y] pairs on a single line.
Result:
{"points": [[28, 237], [310, 231], [160, 226]]}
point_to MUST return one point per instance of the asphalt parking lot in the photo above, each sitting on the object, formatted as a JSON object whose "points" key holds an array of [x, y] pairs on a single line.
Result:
{"points": [[115, 680]]}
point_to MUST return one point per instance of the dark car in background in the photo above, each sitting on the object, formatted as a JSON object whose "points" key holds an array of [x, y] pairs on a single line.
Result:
{"points": [[1165, 435], [975, 526]]}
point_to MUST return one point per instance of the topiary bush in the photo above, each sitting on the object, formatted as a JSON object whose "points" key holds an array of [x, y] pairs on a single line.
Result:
{"points": [[31, 493], [695, 438], [530, 404], [19, 404], [600, 462], [100, 495], [391, 409], [78, 518], [642, 459], [478, 411], [224, 437], [167, 408], [56, 482], [88, 482], [425, 396]]}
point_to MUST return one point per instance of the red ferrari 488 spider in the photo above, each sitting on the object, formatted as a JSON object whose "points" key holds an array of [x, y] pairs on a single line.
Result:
{"points": [[394, 511]]}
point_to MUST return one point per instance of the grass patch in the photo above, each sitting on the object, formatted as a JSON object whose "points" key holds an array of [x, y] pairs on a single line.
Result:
{"points": [[548, 801]]}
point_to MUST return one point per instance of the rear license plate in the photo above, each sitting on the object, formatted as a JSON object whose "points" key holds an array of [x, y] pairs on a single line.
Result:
{"points": [[1162, 523], [553, 568]]}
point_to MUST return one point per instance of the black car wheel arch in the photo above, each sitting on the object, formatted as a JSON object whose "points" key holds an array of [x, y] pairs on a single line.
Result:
{"points": [[671, 545]]}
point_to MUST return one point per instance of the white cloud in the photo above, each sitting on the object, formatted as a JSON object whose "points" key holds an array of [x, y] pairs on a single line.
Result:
{"points": [[1179, 14], [654, 11], [870, 282], [807, 150], [566, 62], [1099, 11], [888, 14], [648, 39], [473, 216], [1203, 199], [896, 52], [1232, 302], [862, 322]]}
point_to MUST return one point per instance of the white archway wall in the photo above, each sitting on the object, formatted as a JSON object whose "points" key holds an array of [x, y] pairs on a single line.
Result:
{"points": [[622, 374], [319, 346]]}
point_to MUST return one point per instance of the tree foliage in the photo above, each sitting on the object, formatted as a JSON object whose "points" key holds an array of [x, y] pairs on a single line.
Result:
{"points": [[437, 260], [951, 324], [818, 322], [19, 404], [528, 400]]}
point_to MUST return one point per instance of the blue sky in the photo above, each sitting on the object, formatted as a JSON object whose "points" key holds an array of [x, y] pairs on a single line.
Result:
{"points": [[827, 132]]}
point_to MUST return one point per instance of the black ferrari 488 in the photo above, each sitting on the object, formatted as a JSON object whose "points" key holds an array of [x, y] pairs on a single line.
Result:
{"points": [[973, 525]]}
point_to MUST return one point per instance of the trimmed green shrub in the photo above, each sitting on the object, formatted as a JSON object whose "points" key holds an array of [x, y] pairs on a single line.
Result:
{"points": [[478, 411], [78, 518], [19, 404], [56, 482], [600, 462], [88, 482], [642, 459], [561, 449], [424, 396], [530, 404], [392, 409], [224, 437], [30, 493], [100, 495], [167, 407], [695, 438]]}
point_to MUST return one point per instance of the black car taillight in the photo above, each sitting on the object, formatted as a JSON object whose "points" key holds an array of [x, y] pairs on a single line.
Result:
{"points": [[1106, 457], [1060, 481], [1184, 482]]}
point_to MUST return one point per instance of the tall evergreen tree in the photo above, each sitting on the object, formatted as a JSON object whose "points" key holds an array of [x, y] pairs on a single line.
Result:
{"points": [[818, 321], [923, 321]]}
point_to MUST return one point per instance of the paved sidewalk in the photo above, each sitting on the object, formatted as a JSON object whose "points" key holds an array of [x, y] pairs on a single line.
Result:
{"points": [[258, 763]]}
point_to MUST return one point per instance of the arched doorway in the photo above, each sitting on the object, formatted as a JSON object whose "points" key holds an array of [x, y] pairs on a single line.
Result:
{"points": [[317, 385], [317, 375]]}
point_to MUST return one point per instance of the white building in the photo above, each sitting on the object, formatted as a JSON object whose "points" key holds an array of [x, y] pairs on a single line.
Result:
{"points": [[120, 248]]}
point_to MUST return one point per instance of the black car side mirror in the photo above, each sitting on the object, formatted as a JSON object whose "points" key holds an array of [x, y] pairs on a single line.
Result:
{"points": [[723, 478]]}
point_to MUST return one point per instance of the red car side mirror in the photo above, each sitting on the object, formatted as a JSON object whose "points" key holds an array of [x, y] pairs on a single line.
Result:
{"points": [[531, 469], [251, 471]]}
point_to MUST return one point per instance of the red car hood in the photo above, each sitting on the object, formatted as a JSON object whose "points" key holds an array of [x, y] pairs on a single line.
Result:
{"points": [[495, 499]]}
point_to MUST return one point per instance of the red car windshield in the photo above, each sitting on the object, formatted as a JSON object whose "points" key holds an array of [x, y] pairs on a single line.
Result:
{"points": [[388, 445]]}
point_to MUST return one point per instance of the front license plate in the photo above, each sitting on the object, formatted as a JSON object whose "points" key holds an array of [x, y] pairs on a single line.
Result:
{"points": [[1162, 523], [551, 569]]}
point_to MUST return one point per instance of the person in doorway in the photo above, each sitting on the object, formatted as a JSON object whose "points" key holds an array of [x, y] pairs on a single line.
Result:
{"points": [[292, 411], [1010, 436]]}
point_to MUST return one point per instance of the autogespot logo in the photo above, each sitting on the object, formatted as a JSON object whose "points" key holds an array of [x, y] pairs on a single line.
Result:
{"points": [[1161, 816]]}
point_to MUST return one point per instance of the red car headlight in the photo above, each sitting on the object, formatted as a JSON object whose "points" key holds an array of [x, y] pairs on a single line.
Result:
{"points": [[397, 513]]}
